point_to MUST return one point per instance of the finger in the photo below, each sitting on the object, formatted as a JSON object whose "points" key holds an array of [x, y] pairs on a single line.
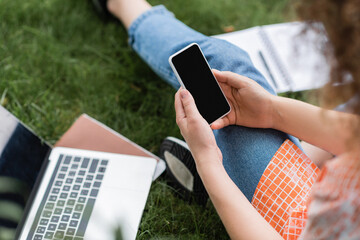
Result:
{"points": [[220, 123], [188, 104], [180, 114], [232, 79]]}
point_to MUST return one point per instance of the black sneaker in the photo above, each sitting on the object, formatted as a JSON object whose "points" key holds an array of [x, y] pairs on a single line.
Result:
{"points": [[181, 170]]}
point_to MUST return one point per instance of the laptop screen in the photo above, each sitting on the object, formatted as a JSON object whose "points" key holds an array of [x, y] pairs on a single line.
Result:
{"points": [[21, 156]]}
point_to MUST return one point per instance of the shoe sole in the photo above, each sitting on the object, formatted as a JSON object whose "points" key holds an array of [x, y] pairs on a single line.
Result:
{"points": [[181, 170]]}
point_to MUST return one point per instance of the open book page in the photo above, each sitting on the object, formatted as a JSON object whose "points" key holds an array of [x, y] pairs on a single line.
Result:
{"points": [[300, 55], [288, 59]]}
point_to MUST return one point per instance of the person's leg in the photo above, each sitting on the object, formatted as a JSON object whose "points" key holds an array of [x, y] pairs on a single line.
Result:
{"points": [[127, 10], [155, 35]]}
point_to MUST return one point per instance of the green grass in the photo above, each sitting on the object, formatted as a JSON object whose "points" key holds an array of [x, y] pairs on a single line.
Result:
{"points": [[58, 60]]}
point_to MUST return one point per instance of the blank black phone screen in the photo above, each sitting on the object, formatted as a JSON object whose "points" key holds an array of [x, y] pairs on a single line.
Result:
{"points": [[198, 79]]}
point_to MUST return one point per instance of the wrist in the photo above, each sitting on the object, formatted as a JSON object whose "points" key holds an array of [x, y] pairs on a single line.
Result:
{"points": [[276, 116], [208, 159], [205, 168]]}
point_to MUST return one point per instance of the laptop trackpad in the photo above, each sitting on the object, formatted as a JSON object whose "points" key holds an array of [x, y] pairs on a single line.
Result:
{"points": [[121, 199], [116, 210]]}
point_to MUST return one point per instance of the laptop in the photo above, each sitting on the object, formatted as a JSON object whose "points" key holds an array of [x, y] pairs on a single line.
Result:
{"points": [[75, 194]]}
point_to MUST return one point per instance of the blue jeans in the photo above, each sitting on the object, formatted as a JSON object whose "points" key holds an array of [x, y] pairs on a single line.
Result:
{"points": [[156, 35]]}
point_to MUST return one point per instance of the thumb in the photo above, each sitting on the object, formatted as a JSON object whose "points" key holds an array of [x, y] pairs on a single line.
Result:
{"points": [[220, 123], [188, 103]]}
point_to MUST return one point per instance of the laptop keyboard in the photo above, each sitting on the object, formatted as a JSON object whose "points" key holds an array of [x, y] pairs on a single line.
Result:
{"points": [[69, 199]]}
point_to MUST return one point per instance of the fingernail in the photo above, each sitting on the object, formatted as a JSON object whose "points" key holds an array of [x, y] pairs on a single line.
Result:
{"points": [[183, 94], [216, 71]]}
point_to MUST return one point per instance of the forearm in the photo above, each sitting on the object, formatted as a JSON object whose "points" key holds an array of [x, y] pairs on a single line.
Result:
{"points": [[239, 217], [326, 129]]}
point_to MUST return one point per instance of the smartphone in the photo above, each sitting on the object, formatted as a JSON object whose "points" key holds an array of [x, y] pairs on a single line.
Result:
{"points": [[194, 74]]}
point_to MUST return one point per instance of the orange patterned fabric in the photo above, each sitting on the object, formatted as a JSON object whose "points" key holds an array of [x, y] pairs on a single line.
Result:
{"points": [[296, 223], [283, 190]]}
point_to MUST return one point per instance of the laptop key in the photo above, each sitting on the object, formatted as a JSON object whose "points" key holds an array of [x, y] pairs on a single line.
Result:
{"points": [[66, 188], [38, 237], [97, 184], [74, 166], [55, 190], [58, 211], [67, 159], [62, 226], [73, 223], [99, 177], [63, 195], [84, 192], [72, 173], [93, 165], [51, 227], [52, 198], [68, 238], [58, 183], [73, 194], [76, 187], [68, 210], [64, 169], [65, 218], [59, 235], [54, 219], [44, 221], [71, 202], [81, 199], [94, 192], [46, 214], [49, 235], [79, 180], [70, 231], [102, 169], [81, 173], [60, 203], [87, 184], [79, 207], [49, 205], [89, 177], [85, 163], [77, 159], [76, 215], [61, 176], [69, 180], [104, 162], [40, 230]]}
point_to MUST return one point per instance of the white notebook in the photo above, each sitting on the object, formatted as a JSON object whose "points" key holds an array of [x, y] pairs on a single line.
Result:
{"points": [[290, 61]]}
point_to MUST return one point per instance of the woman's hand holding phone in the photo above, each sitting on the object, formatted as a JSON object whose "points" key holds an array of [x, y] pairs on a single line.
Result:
{"points": [[251, 105], [224, 194], [195, 129]]}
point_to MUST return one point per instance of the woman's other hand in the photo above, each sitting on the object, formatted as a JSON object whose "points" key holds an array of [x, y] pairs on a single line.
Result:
{"points": [[194, 128], [251, 104], [233, 207]]}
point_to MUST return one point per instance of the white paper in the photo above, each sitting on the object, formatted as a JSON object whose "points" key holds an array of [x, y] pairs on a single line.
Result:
{"points": [[297, 54]]}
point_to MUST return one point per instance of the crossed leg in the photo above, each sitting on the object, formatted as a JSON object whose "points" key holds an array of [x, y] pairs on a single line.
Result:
{"points": [[155, 34]]}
